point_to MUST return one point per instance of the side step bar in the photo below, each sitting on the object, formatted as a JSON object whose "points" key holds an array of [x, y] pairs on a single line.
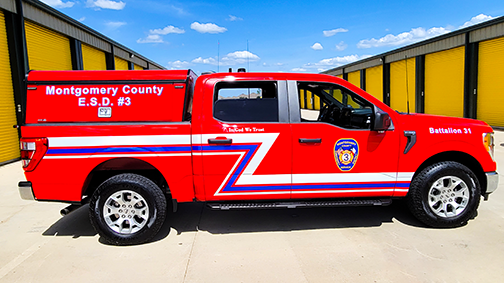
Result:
{"points": [[299, 204]]}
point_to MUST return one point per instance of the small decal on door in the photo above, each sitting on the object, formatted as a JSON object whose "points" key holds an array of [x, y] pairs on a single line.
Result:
{"points": [[346, 152]]}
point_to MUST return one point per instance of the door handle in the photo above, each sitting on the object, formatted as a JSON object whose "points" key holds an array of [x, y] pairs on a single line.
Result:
{"points": [[220, 141], [310, 140]]}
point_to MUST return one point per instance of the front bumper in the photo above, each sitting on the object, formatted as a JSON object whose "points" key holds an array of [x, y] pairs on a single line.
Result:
{"points": [[26, 190], [492, 182]]}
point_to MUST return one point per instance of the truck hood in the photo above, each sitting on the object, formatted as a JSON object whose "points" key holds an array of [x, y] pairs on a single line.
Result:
{"points": [[440, 123]]}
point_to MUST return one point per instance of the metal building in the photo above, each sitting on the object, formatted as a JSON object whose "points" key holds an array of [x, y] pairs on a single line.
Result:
{"points": [[34, 36], [458, 74]]}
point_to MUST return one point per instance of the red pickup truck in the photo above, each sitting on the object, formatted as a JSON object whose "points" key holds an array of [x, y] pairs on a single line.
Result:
{"points": [[133, 142]]}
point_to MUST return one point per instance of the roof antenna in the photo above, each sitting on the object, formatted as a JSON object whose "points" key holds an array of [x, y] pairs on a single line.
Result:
{"points": [[248, 57], [407, 85]]}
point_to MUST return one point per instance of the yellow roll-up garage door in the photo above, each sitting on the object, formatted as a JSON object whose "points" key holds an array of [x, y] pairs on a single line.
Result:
{"points": [[302, 99], [444, 82], [136, 67], [374, 81], [491, 82], [9, 141], [47, 50], [399, 90], [354, 78], [121, 64], [93, 59]]}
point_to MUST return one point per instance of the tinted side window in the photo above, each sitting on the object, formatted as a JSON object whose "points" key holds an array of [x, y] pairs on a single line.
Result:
{"points": [[246, 102], [333, 104]]}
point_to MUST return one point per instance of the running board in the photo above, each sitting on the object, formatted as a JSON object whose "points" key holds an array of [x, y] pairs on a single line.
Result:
{"points": [[293, 204]]}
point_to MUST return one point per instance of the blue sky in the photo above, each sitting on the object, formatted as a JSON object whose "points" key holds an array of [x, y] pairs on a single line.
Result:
{"points": [[282, 36]]}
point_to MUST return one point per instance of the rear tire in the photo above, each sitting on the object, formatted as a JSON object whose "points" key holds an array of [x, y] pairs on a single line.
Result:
{"points": [[127, 209], [445, 194]]}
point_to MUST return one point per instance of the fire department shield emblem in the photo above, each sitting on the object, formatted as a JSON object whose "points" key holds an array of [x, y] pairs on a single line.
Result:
{"points": [[346, 152]]}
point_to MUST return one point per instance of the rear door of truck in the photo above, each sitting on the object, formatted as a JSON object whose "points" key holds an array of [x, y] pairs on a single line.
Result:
{"points": [[245, 143]]}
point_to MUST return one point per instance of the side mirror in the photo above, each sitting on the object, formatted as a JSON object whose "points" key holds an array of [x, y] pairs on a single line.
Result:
{"points": [[382, 121]]}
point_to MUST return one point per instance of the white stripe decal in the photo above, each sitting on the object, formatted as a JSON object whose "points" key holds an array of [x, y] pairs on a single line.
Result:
{"points": [[308, 192], [119, 140], [113, 155], [266, 140], [343, 178], [274, 179]]}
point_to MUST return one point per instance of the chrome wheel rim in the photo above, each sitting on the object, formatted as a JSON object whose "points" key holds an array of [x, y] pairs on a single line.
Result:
{"points": [[448, 196], [126, 212]]}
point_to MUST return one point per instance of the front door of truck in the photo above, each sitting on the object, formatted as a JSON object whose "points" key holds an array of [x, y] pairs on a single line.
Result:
{"points": [[335, 152], [245, 142]]}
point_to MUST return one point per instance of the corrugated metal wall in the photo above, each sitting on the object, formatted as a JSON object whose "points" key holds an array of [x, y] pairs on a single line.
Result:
{"points": [[374, 81], [93, 59], [9, 140], [399, 90], [444, 82], [491, 82], [47, 50]]}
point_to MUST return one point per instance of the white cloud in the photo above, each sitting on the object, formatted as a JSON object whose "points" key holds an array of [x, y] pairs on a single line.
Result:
{"points": [[115, 25], [177, 65], [274, 64], [298, 70], [234, 18], [82, 19], [328, 63], [476, 20], [200, 60], [166, 30], [207, 28], [238, 57], [58, 3], [151, 38], [332, 32], [106, 4], [317, 46], [415, 35], [154, 35], [341, 46]]}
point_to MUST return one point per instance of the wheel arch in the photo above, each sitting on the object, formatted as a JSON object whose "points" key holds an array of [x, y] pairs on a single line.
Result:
{"points": [[115, 166], [461, 157]]}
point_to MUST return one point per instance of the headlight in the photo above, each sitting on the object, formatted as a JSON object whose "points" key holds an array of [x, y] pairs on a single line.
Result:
{"points": [[488, 142]]}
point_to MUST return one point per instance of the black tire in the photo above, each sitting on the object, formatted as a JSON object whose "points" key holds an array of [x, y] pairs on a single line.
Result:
{"points": [[132, 202], [444, 195]]}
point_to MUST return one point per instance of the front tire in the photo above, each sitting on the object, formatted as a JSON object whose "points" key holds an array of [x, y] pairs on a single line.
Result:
{"points": [[127, 209], [445, 194]]}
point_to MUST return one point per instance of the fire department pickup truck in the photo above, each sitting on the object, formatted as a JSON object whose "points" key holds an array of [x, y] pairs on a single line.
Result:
{"points": [[132, 143]]}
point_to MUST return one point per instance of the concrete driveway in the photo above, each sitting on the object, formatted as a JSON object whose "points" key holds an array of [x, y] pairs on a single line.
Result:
{"points": [[361, 244]]}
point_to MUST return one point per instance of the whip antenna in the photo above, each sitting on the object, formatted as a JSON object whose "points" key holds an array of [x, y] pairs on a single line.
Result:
{"points": [[248, 60], [407, 85]]}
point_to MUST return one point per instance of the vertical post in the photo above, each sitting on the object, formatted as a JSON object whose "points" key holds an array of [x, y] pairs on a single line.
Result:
{"points": [[386, 82], [109, 59], [18, 55], [363, 79], [471, 79], [76, 53], [420, 84], [131, 66], [345, 75]]}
